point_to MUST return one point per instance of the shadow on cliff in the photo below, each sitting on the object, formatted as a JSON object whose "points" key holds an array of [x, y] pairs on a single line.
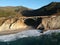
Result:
{"points": [[32, 22]]}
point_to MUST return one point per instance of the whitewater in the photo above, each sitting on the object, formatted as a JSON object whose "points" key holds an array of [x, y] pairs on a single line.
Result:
{"points": [[26, 33]]}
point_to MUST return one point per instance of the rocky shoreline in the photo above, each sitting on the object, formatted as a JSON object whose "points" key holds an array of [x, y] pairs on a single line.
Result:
{"points": [[8, 25]]}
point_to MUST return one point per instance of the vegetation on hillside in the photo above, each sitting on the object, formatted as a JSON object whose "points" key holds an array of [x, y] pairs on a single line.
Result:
{"points": [[11, 11], [48, 10]]}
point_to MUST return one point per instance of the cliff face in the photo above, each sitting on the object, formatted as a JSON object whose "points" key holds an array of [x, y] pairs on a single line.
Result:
{"points": [[12, 24], [52, 9], [45, 23], [50, 23]]}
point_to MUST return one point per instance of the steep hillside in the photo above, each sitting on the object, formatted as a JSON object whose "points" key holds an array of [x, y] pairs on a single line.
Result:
{"points": [[48, 10], [11, 11]]}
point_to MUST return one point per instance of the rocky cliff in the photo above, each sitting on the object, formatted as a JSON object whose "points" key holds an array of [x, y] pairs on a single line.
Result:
{"points": [[11, 24], [52, 11], [46, 23], [50, 23]]}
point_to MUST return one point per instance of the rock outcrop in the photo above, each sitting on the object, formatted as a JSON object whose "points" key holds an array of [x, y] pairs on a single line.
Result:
{"points": [[12, 24], [50, 23], [46, 23]]}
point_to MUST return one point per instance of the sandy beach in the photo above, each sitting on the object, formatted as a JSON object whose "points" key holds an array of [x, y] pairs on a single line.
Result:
{"points": [[6, 32]]}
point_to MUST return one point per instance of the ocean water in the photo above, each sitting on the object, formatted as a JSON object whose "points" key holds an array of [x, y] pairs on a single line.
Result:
{"points": [[24, 37]]}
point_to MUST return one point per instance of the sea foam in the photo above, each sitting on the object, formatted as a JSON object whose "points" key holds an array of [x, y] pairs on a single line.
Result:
{"points": [[27, 33]]}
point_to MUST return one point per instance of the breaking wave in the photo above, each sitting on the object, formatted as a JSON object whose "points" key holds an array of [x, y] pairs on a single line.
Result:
{"points": [[27, 33], [12, 37]]}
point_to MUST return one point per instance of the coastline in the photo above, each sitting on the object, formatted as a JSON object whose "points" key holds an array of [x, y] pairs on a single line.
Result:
{"points": [[7, 32]]}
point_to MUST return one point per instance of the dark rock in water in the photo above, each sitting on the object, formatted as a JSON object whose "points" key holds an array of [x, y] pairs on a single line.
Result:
{"points": [[41, 27]]}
